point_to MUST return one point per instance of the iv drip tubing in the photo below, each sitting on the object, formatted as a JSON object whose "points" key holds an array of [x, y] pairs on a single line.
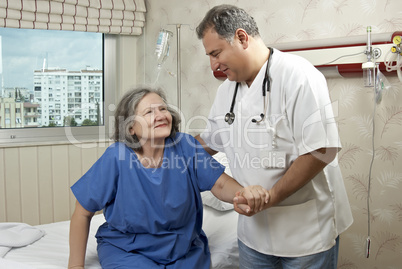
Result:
{"points": [[370, 174], [398, 66], [388, 61], [343, 56]]}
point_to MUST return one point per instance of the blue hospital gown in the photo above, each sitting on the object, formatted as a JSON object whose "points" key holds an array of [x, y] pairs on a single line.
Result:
{"points": [[156, 213]]}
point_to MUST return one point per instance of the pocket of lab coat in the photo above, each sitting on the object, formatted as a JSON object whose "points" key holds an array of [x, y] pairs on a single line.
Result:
{"points": [[279, 124], [294, 230]]}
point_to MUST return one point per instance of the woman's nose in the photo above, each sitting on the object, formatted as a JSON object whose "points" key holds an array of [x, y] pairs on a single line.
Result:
{"points": [[159, 114]]}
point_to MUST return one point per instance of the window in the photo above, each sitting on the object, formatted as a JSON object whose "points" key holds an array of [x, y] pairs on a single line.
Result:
{"points": [[56, 76]]}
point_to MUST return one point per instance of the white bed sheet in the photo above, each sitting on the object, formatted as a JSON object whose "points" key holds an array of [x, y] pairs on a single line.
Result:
{"points": [[51, 251]]}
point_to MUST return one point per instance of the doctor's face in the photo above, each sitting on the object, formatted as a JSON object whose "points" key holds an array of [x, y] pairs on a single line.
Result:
{"points": [[224, 56], [153, 121]]}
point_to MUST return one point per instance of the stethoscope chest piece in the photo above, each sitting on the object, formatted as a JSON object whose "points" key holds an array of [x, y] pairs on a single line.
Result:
{"points": [[230, 117]]}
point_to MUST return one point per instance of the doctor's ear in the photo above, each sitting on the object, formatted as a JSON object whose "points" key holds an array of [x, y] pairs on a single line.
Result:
{"points": [[242, 36]]}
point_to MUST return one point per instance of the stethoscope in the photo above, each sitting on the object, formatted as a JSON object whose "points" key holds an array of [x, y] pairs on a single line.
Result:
{"points": [[266, 87]]}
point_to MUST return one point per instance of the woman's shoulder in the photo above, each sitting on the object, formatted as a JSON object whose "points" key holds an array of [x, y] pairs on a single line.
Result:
{"points": [[116, 149], [185, 142], [184, 138], [116, 145]]}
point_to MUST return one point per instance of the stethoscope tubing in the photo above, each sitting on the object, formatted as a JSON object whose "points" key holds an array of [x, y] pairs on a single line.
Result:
{"points": [[266, 87]]}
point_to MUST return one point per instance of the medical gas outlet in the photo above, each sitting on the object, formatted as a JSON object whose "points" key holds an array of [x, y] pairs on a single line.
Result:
{"points": [[397, 40]]}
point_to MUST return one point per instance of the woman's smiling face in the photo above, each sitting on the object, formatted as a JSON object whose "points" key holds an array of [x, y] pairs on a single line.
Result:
{"points": [[152, 121]]}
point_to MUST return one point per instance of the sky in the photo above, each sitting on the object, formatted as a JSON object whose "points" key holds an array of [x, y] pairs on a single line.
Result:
{"points": [[24, 50]]}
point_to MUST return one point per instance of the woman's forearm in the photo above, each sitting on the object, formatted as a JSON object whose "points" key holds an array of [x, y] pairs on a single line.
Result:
{"points": [[226, 189], [79, 231]]}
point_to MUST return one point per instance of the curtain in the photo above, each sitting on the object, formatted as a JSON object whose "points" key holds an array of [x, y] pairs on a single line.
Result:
{"points": [[103, 16]]}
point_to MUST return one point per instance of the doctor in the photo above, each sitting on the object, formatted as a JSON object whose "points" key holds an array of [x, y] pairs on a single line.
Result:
{"points": [[278, 130]]}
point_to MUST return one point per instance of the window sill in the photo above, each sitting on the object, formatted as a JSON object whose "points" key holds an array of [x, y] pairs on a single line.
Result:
{"points": [[81, 143]]}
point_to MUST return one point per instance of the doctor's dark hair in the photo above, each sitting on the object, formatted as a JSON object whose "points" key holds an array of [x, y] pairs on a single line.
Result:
{"points": [[225, 20], [125, 114]]}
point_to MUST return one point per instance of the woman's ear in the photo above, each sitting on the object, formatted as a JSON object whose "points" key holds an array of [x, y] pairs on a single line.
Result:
{"points": [[131, 130], [242, 37]]}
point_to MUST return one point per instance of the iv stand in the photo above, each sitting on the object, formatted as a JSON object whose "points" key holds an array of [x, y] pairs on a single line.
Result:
{"points": [[178, 26], [178, 39]]}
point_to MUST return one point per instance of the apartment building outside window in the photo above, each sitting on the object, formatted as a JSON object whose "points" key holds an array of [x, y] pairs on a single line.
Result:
{"points": [[65, 95], [59, 83]]}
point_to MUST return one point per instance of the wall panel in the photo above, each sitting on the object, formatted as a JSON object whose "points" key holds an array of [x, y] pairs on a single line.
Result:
{"points": [[28, 165], [12, 185], [75, 171], [45, 189], [60, 177], [35, 181], [89, 157], [2, 186]]}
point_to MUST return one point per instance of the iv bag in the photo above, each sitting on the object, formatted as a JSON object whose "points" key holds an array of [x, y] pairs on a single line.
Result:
{"points": [[381, 85], [162, 46]]}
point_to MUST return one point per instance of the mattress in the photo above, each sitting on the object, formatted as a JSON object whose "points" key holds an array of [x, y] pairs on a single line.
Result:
{"points": [[52, 250]]}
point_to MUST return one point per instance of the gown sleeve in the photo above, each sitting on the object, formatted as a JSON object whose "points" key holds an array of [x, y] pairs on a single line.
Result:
{"points": [[97, 187], [203, 166]]}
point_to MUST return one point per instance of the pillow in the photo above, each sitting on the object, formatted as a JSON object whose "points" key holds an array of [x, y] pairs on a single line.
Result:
{"points": [[210, 200]]}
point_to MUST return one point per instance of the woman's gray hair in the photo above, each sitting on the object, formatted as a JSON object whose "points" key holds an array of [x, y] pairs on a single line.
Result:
{"points": [[225, 20], [124, 116]]}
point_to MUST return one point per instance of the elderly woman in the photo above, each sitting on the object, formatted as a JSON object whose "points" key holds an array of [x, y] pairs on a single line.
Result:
{"points": [[148, 184]]}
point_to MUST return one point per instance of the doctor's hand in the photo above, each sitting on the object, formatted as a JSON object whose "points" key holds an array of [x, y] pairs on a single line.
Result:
{"points": [[250, 200]]}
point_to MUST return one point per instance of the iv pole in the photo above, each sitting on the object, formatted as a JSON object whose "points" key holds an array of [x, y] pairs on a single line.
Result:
{"points": [[178, 78], [178, 28]]}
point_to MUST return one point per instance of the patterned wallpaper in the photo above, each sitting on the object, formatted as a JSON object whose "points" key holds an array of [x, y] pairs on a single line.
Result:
{"points": [[292, 21], [355, 106]]}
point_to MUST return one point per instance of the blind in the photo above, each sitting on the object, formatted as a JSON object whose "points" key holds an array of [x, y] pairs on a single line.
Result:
{"points": [[103, 16]]}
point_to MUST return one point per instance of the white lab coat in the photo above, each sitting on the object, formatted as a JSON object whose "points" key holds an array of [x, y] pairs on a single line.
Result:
{"points": [[300, 110]]}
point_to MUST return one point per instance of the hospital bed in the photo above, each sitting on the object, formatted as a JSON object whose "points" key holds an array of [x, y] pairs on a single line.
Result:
{"points": [[51, 250]]}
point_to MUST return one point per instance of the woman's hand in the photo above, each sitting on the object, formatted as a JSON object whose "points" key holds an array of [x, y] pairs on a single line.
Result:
{"points": [[251, 200]]}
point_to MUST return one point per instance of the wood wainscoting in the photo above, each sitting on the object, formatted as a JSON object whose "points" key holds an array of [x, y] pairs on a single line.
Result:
{"points": [[35, 180]]}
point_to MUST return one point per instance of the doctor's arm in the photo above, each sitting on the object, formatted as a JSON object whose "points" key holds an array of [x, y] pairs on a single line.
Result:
{"points": [[204, 145], [79, 230], [302, 170]]}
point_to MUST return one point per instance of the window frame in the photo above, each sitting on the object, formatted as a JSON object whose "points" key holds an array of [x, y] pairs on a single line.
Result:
{"points": [[81, 134]]}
